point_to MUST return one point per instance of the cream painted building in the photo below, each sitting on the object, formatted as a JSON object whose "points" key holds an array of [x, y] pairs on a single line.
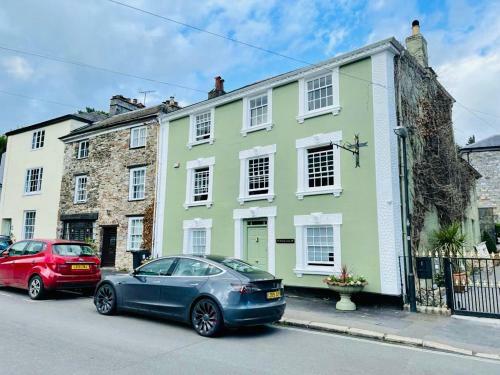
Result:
{"points": [[29, 202]]}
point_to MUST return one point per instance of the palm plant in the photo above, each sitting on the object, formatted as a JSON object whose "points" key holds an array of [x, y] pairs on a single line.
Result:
{"points": [[449, 241]]}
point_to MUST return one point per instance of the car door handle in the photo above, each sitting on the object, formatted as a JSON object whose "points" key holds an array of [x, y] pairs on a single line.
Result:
{"points": [[194, 284]]}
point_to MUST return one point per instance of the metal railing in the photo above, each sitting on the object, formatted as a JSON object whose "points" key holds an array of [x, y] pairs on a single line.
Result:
{"points": [[467, 283]]}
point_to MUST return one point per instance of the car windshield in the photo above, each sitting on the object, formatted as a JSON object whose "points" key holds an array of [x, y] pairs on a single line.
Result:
{"points": [[73, 249]]}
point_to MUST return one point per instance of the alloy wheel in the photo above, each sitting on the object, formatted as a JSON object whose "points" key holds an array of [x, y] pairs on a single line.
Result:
{"points": [[105, 300], [205, 318], [35, 287]]}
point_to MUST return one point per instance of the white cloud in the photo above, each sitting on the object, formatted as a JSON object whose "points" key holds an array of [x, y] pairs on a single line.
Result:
{"points": [[18, 67]]}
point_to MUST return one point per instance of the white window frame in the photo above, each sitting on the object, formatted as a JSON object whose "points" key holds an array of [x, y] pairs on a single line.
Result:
{"points": [[137, 131], [37, 143], [190, 168], [129, 233], [246, 123], [81, 149], [192, 128], [189, 226], [334, 109], [302, 222], [131, 184], [25, 213], [314, 141], [78, 180], [39, 184], [245, 156]]}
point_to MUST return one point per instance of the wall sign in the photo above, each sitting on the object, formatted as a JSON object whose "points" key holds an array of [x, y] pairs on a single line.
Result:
{"points": [[285, 240]]}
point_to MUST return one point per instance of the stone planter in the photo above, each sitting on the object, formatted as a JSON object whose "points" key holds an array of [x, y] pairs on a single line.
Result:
{"points": [[345, 303]]}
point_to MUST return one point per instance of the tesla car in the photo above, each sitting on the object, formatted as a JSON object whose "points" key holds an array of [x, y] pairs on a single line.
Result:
{"points": [[208, 292], [43, 265]]}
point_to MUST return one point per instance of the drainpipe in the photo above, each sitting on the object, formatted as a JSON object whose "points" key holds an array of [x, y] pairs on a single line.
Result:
{"points": [[402, 133]]}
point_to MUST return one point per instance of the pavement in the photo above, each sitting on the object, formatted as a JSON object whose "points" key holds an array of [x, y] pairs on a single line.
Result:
{"points": [[65, 335], [476, 336]]}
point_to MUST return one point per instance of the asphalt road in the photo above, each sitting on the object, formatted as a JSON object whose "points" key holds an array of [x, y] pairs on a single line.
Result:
{"points": [[65, 335]]}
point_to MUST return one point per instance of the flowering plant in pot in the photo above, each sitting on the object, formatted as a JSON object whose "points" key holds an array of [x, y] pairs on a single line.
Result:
{"points": [[345, 284]]}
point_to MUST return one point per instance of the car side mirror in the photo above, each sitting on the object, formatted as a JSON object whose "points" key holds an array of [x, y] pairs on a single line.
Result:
{"points": [[4, 253]]}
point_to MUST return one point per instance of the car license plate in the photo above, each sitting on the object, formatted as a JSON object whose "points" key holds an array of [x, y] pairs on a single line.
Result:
{"points": [[80, 267], [274, 294]]}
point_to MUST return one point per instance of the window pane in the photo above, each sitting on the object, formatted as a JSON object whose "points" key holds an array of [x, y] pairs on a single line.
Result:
{"points": [[203, 125], [81, 189], [201, 179], [320, 166], [33, 181], [137, 183], [138, 137], [83, 149], [319, 93], [198, 241], [258, 110], [29, 224], [258, 176], [135, 229], [320, 249], [38, 139]]}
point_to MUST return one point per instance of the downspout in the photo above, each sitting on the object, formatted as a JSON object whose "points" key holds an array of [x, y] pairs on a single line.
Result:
{"points": [[402, 133]]}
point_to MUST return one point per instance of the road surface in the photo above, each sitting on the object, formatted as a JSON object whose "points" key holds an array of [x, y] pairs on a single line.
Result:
{"points": [[65, 335]]}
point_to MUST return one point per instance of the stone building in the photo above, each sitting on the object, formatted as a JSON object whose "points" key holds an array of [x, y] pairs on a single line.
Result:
{"points": [[109, 180], [484, 156]]}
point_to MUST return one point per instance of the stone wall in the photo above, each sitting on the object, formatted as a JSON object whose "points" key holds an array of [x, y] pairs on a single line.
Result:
{"points": [[488, 186], [440, 182], [107, 167]]}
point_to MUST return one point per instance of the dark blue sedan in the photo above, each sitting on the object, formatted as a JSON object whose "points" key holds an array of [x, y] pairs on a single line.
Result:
{"points": [[209, 292]]}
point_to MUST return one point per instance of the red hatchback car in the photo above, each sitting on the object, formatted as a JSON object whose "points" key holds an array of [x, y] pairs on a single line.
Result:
{"points": [[43, 265]]}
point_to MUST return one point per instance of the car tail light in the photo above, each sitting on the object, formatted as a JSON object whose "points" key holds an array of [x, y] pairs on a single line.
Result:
{"points": [[245, 288]]}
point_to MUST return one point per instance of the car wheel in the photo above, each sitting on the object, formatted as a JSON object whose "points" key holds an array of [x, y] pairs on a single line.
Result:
{"points": [[36, 289], [105, 300], [206, 318]]}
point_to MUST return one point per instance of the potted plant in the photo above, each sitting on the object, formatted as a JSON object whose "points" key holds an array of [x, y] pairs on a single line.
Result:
{"points": [[450, 242], [345, 284]]}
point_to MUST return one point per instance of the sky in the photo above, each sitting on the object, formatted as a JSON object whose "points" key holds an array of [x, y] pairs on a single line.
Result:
{"points": [[463, 41]]}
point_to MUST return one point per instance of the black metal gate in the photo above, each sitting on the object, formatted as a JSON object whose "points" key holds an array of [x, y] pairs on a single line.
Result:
{"points": [[467, 285]]}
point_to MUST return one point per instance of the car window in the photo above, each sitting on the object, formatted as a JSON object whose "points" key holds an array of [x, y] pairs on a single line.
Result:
{"points": [[4, 244], [17, 248], [194, 267], [34, 247], [158, 267], [73, 250]]}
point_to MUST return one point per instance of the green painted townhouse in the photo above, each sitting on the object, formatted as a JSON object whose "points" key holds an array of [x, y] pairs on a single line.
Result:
{"points": [[256, 173]]}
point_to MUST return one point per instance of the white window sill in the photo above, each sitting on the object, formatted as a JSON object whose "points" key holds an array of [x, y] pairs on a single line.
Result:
{"points": [[323, 111], [195, 204], [250, 129], [80, 202], [269, 197], [325, 271], [203, 141], [136, 199], [33, 193], [336, 191]]}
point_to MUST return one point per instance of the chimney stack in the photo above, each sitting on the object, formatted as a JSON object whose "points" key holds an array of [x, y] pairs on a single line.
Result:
{"points": [[119, 104], [218, 90], [172, 104], [417, 45]]}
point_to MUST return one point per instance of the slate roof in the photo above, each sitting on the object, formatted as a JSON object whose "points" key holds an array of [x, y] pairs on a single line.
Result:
{"points": [[117, 120], [84, 117], [490, 143]]}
